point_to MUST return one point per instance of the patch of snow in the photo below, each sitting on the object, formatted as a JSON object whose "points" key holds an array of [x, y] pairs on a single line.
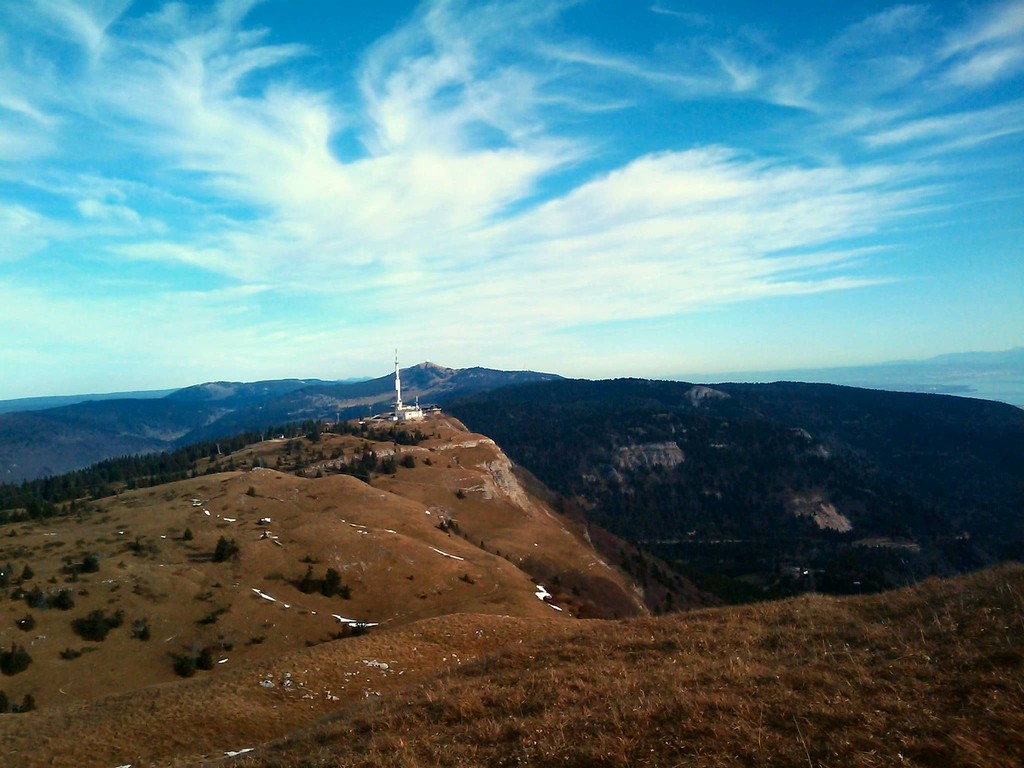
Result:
{"points": [[453, 557], [343, 620], [206, 512], [238, 752], [230, 519], [264, 595], [544, 596], [223, 661]]}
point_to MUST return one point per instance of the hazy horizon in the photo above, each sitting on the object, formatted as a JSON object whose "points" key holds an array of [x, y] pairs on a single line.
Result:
{"points": [[235, 190], [996, 375]]}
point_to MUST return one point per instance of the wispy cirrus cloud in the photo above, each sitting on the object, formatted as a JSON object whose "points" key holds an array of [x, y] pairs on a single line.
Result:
{"points": [[960, 129], [476, 174]]}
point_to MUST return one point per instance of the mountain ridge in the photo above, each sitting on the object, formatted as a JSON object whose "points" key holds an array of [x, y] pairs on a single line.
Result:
{"points": [[49, 442]]}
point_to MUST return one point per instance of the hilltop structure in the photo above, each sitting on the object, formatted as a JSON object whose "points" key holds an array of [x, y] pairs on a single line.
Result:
{"points": [[404, 412]]}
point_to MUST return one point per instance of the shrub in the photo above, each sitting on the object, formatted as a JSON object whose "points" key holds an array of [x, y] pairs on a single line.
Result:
{"points": [[27, 573], [26, 624], [212, 617], [408, 461], [97, 624], [308, 584], [225, 550], [187, 535], [15, 660], [185, 665], [140, 629], [90, 564], [64, 600], [205, 659], [70, 654], [332, 583]]}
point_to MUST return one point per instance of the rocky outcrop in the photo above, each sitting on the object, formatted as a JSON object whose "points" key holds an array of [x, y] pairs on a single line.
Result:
{"points": [[698, 394], [822, 512], [647, 455]]}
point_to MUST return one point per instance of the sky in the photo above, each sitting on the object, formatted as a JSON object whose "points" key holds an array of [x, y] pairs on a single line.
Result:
{"points": [[249, 190]]}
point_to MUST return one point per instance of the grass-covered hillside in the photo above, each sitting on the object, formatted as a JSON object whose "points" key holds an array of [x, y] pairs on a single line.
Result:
{"points": [[928, 676]]}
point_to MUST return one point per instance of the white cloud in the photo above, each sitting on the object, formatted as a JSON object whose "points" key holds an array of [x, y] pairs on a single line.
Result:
{"points": [[95, 209], [471, 194], [985, 67], [959, 130], [691, 18], [898, 20], [24, 231], [1002, 23], [987, 49]]}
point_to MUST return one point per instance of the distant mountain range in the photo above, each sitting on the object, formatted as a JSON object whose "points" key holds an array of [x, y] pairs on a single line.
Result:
{"points": [[51, 435], [37, 443], [985, 375]]}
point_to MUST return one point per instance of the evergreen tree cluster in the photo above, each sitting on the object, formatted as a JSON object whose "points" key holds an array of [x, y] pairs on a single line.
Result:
{"points": [[186, 664], [225, 550], [70, 492], [97, 624], [328, 586], [28, 703]]}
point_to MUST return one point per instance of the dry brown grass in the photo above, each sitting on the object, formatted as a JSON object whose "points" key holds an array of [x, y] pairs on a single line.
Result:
{"points": [[377, 537], [924, 677], [929, 676]]}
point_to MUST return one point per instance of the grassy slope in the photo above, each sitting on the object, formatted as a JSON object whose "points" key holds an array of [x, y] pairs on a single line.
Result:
{"points": [[926, 676], [382, 538], [929, 676]]}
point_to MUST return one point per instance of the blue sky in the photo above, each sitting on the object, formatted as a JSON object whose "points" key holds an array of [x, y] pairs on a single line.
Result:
{"points": [[240, 190]]}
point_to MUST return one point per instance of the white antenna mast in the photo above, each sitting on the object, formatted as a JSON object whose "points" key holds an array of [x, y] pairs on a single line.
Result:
{"points": [[398, 386]]}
